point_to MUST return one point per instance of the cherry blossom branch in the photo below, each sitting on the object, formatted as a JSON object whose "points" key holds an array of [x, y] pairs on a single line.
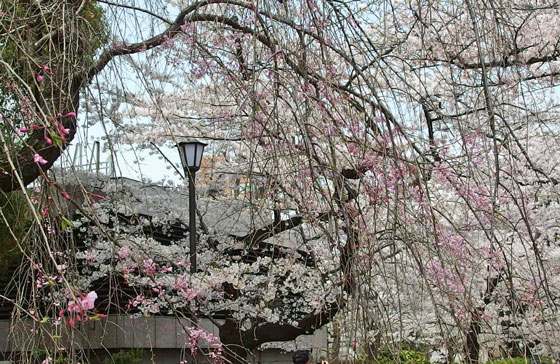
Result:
{"points": [[268, 332], [136, 8]]}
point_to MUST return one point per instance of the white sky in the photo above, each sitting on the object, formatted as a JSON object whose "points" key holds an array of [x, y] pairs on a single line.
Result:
{"points": [[137, 164]]}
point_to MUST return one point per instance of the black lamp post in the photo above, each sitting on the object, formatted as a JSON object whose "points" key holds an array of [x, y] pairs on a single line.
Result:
{"points": [[191, 155]]}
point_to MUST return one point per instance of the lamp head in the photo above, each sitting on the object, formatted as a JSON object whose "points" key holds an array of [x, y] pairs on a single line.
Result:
{"points": [[191, 154]]}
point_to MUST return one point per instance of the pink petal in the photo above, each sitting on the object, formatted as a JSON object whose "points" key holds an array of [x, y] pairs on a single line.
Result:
{"points": [[38, 159], [23, 129], [73, 307], [64, 130], [38, 77], [71, 114], [88, 302]]}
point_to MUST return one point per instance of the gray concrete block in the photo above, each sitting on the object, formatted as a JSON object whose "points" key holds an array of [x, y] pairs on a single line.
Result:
{"points": [[4, 331], [144, 332], [125, 335], [109, 330], [93, 331], [182, 335], [166, 332]]}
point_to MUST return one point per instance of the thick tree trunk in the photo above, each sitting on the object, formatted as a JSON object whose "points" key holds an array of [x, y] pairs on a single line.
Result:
{"points": [[472, 343], [335, 351], [23, 159], [239, 343], [45, 87], [231, 338]]}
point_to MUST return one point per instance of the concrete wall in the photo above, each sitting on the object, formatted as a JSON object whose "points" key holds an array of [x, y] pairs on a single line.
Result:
{"points": [[113, 332], [163, 338]]}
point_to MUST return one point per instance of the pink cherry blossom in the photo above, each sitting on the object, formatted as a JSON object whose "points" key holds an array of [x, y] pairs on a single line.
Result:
{"points": [[47, 69], [64, 130], [83, 303], [39, 159], [124, 252], [149, 267], [89, 301]]}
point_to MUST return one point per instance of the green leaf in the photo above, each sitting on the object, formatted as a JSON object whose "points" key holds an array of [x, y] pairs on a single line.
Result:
{"points": [[57, 140], [66, 223]]}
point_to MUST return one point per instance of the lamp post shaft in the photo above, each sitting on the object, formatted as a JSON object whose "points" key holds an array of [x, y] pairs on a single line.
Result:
{"points": [[192, 220]]}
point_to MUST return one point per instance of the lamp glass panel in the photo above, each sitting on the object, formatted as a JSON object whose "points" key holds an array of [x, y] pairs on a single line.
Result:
{"points": [[199, 151], [182, 155], [190, 151]]}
